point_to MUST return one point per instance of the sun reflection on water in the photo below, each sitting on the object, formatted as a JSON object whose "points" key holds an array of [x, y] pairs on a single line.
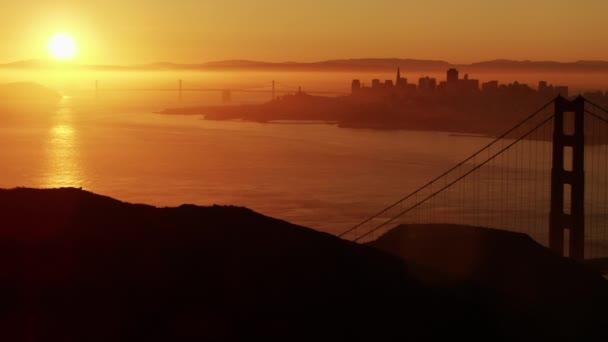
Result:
{"points": [[63, 166]]}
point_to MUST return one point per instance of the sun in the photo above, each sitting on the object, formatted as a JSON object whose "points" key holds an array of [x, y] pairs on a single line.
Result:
{"points": [[62, 47]]}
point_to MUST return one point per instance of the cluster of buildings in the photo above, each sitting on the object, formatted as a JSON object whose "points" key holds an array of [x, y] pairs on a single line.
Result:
{"points": [[453, 85]]}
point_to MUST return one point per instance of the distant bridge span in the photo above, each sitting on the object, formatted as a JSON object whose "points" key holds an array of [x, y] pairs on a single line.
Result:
{"points": [[218, 90], [282, 89]]}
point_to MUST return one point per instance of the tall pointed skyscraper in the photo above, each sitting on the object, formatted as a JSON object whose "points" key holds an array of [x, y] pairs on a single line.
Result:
{"points": [[398, 76]]}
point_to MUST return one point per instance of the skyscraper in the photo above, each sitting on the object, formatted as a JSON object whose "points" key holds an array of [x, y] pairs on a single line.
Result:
{"points": [[355, 86], [398, 76], [452, 77], [426, 84]]}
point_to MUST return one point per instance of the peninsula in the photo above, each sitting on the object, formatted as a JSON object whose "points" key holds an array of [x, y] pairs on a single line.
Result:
{"points": [[458, 104]]}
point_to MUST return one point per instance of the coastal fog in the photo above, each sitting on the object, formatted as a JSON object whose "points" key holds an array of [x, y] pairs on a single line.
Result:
{"points": [[157, 89]]}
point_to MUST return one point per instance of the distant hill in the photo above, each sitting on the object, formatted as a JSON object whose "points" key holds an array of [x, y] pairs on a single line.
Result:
{"points": [[362, 64], [535, 290], [540, 66], [371, 64]]}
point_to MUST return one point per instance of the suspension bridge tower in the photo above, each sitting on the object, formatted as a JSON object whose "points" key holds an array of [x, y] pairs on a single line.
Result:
{"points": [[568, 214]]}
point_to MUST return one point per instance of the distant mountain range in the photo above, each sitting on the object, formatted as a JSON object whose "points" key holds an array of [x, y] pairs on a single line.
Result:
{"points": [[364, 64]]}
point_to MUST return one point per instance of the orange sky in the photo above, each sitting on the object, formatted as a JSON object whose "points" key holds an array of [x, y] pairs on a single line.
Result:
{"points": [[140, 31]]}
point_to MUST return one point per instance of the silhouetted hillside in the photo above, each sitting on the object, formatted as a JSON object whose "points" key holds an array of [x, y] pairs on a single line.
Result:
{"points": [[535, 292], [77, 266]]}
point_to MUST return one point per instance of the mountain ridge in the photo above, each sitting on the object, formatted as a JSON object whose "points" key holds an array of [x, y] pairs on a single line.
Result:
{"points": [[354, 64]]}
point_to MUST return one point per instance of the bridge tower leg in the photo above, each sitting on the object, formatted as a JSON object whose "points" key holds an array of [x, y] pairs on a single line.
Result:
{"points": [[574, 176]]}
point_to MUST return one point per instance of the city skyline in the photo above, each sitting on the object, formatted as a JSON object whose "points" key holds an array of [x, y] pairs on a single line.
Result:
{"points": [[114, 32], [453, 85]]}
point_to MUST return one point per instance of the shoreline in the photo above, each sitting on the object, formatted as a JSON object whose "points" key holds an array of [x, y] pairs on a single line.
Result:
{"points": [[379, 127]]}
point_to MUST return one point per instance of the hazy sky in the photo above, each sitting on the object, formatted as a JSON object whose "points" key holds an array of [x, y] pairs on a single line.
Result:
{"points": [[134, 31]]}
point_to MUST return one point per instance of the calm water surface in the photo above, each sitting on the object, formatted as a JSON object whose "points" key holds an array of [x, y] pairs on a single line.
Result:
{"points": [[316, 175]]}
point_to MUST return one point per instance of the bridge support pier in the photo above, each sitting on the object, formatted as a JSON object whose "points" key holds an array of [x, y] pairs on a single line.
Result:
{"points": [[572, 218]]}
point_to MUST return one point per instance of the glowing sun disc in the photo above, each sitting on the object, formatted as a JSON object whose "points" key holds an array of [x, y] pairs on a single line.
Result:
{"points": [[62, 47]]}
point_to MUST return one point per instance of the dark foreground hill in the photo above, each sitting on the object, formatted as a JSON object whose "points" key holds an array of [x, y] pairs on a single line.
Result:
{"points": [[75, 266], [533, 291]]}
